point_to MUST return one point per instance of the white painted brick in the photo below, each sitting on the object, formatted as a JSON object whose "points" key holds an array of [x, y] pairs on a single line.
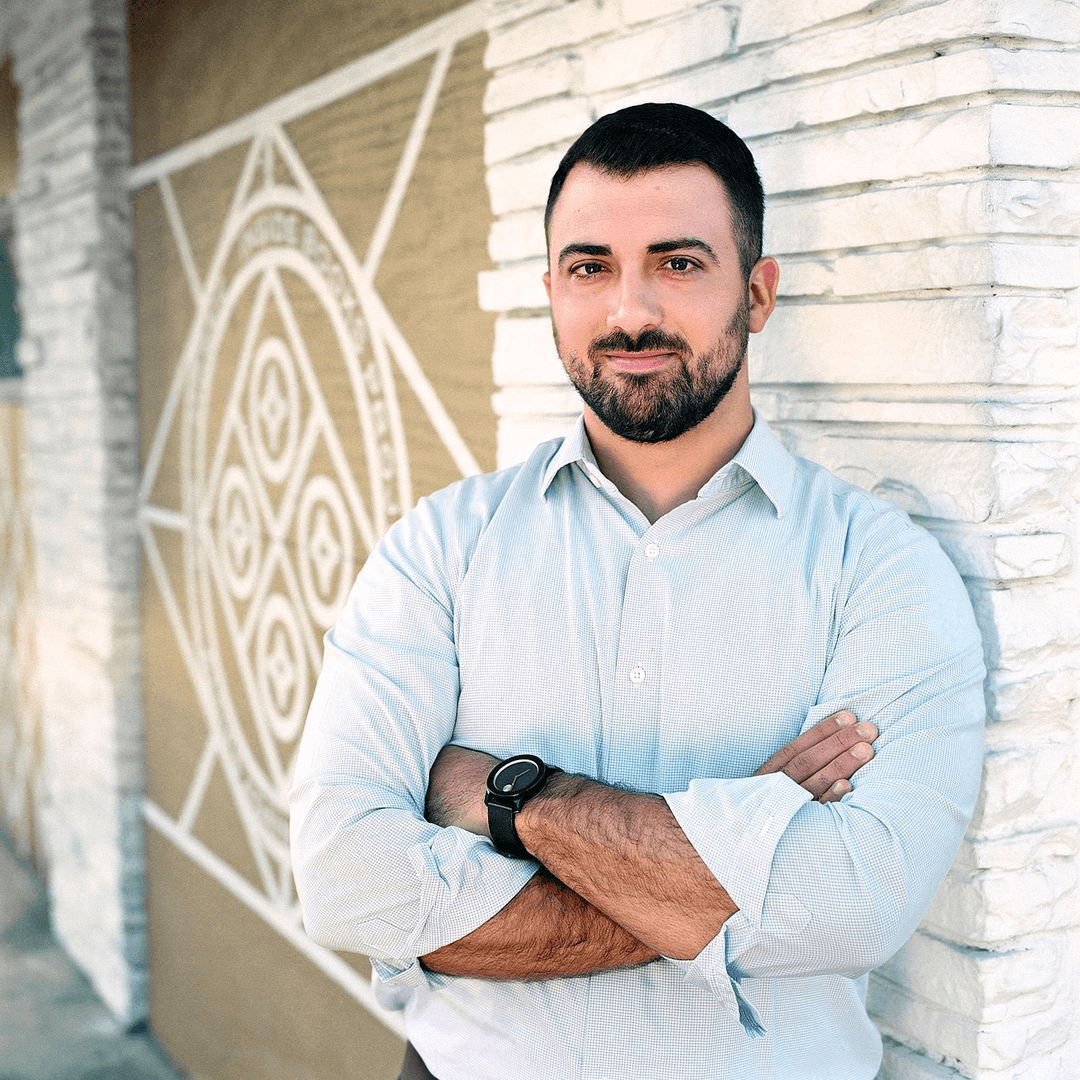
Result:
{"points": [[518, 236], [530, 416], [1004, 889], [522, 185], [1040, 136], [1036, 479], [883, 33], [901, 1062], [525, 354], [942, 340], [922, 211], [1031, 266], [633, 12], [1023, 340], [919, 477], [558, 120], [567, 24], [1042, 692], [932, 988], [548, 77], [760, 20], [696, 38], [905, 149], [1033, 616], [518, 287], [898, 87]]}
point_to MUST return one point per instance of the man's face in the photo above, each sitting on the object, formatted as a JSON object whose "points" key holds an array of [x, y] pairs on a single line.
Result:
{"points": [[650, 308]]}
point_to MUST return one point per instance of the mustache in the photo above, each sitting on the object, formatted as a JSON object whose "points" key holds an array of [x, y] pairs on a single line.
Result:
{"points": [[646, 341]]}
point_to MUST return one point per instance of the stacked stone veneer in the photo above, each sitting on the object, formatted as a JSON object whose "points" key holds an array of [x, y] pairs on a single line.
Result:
{"points": [[916, 157], [73, 245]]}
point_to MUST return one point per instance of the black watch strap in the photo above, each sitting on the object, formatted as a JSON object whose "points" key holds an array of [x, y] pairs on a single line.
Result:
{"points": [[503, 832]]}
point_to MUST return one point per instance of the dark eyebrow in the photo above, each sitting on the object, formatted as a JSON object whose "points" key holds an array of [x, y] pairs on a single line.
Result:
{"points": [[584, 249], [680, 243]]}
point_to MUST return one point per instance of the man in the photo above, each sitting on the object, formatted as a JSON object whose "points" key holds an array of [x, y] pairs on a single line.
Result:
{"points": [[686, 621]]}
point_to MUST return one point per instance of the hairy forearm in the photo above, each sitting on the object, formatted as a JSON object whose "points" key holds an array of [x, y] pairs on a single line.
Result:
{"points": [[546, 931], [627, 856]]}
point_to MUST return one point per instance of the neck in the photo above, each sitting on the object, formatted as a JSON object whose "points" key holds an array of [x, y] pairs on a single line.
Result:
{"points": [[657, 477]]}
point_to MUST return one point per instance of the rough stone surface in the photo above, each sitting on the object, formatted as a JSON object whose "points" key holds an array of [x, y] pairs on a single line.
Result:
{"points": [[920, 166], [72, 224]]}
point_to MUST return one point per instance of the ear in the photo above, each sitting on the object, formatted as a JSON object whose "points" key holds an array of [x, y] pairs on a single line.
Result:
{"points": [[764, 279], [547, 283]]}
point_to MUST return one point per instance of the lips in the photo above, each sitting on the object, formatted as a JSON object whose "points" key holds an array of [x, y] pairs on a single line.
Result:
{"points": [[638, 362]]}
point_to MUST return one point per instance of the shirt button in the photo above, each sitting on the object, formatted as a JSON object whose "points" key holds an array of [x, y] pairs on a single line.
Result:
{"points": [[637, 674], [652, 550]]}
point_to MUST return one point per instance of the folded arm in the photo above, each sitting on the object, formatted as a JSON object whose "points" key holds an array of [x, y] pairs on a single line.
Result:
{"points": [[630, 886]]}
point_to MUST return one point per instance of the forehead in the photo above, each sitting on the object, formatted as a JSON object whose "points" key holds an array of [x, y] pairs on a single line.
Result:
{"points": [[637, 210]]}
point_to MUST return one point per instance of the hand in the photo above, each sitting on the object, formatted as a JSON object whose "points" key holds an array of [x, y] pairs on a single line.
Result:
{"points": [[824, 759], [456, 786]]}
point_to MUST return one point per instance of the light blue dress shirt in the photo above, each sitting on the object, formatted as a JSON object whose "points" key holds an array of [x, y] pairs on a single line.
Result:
{"points": [[538, 610]]}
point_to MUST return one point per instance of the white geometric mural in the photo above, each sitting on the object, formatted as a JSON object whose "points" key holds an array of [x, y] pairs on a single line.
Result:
{"points": [[273, 516]]}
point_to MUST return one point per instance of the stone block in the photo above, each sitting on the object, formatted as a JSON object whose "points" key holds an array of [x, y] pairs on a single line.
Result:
{"points": [[1042, 690], [976, 264], [920, 212], [958, 77], [987, 1009], [1022, 789], [1000, 890], [548, 77], [761, 21], [525, 355], [566, 25], [944, 479], [900, 1062], [1017, 339], [531, 416], [1037, 480], [518, 236], [533, 127], [696, 38], [513, 288], [639, 11], [906, 148], [522, 185]]}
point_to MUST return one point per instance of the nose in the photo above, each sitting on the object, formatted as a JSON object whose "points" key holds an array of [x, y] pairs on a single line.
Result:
{"points": [[635, 305]]}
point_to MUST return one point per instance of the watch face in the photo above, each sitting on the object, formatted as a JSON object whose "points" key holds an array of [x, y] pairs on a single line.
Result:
{"points": [[515, 775]]}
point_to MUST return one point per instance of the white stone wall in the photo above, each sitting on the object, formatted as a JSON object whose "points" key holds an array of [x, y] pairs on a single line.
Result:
{"points": [[917, 159], [73, 243]]}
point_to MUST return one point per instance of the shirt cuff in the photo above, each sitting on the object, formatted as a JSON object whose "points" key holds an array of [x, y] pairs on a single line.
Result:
{"points": [[734, 826], [709, 970]]}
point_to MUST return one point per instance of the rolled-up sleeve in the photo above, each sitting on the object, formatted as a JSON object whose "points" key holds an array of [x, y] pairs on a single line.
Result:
{"points": [[837, 888], [371, 874]]}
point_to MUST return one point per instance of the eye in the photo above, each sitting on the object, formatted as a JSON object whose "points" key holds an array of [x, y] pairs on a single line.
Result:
{"points": [[586, 269], [681, 264]]}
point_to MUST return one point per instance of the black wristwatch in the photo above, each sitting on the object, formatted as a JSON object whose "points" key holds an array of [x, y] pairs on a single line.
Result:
{"points": [[510, 785]]}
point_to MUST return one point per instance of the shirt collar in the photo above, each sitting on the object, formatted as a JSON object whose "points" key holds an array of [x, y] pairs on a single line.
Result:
{"points": [[761, 457]]}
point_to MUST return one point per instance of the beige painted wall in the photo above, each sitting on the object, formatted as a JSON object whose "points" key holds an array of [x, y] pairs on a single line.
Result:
{"points": [[282, 430]]}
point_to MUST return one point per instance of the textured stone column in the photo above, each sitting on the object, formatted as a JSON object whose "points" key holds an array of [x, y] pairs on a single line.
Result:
{"points": [[920, 164], [73, 229]]}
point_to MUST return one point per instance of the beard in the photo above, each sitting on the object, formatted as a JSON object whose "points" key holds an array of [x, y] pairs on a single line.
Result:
{"points": [[658, 406]]}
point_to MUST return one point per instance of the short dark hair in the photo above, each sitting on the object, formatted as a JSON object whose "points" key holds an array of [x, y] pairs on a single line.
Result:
{"points": [[653, 136]]}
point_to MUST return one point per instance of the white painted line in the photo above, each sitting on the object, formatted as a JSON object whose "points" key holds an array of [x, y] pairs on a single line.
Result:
{"points": [[183, 246], [455, 26], [396, 196], [329, 963]]}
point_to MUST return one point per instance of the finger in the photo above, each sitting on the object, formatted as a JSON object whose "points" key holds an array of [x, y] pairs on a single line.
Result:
{"points": [[841, 768], [828, 755], [822, 730], [836, 792]]}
